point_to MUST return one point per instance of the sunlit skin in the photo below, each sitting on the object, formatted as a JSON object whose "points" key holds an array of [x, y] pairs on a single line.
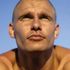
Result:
{"points": [[35, 29], [33, 19]]}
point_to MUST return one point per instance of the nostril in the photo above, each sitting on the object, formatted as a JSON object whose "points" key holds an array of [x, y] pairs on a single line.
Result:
{"points": [[36, 29]]}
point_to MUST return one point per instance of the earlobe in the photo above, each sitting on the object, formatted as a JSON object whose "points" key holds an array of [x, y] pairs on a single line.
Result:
{"points": [[56, 31], [11, 30]]}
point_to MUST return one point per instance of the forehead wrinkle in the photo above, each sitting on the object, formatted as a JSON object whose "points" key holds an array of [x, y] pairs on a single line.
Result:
{"points": [[33, 5]]}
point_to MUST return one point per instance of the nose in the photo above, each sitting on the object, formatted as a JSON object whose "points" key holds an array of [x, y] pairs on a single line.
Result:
{"points": [[36, 25]]}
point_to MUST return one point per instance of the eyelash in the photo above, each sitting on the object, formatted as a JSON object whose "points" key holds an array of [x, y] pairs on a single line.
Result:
{"points": [[25, 16], [28, 16], [43, 17]]}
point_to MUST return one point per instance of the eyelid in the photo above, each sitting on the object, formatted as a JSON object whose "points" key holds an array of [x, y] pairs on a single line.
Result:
{"points": [[28, 15], [44, 16]]}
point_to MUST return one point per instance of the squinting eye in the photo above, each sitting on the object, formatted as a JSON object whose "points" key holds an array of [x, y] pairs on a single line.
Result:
{"points": [[43, 16], [26, 17]]}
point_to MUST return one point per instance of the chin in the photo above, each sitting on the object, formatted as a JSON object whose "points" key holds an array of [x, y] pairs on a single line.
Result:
{"points": [[36, 47]]}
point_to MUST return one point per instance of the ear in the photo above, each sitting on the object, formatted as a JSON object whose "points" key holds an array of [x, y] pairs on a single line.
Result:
{"points": [[56, 31], [11, 30]]}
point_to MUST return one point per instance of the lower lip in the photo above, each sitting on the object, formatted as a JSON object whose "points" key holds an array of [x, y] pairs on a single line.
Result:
{"points": [[36, 38]]}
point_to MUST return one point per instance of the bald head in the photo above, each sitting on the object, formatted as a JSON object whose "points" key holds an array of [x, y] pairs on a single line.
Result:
{"points": [[24, 4]]}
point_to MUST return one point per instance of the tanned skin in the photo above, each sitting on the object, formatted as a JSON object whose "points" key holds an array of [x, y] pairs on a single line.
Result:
{"points": [[60, 55], [35, 29]]}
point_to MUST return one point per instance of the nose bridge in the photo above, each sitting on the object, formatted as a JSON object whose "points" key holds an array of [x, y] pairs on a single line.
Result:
{"points": [[36, 22]]}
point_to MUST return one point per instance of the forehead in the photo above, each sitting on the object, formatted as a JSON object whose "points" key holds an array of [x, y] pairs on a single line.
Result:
{"points": [[34, 6]]}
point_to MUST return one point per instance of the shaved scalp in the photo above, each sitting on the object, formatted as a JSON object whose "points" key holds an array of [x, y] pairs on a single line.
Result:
{"points": [[14, 10], [16, 7]]}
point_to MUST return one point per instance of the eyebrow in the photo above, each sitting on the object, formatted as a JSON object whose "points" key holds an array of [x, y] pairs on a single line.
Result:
{"points": [[41, 15], [45, 15], [26, 15]]}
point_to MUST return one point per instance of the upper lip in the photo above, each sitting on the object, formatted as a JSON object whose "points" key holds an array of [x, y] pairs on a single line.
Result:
{"points": [[36, 37]]}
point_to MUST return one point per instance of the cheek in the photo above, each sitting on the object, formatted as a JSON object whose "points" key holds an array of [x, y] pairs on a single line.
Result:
{"points": [[22, 29], [48, 31], [48, 28]]}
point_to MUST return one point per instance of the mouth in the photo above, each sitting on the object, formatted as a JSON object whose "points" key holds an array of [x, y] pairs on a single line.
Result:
{"points": [[36, 38]]}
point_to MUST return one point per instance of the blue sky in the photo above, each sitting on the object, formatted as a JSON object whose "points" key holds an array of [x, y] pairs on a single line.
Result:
{"points": [[63, 18]]}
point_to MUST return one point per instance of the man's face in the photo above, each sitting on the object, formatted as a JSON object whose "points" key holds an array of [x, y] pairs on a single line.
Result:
{"points": [[34, 25]]}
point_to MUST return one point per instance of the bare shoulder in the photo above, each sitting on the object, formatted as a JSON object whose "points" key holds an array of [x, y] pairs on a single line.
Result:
{"points": [[61, 52], [65, 63], [5, 64], [10, 55]]}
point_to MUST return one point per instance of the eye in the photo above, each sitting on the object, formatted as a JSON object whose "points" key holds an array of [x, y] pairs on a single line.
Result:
{"points": [[45, 17], [25, 17]]}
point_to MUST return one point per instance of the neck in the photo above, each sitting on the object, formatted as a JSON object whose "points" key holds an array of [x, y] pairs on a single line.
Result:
{"points": [[35, 60]]}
